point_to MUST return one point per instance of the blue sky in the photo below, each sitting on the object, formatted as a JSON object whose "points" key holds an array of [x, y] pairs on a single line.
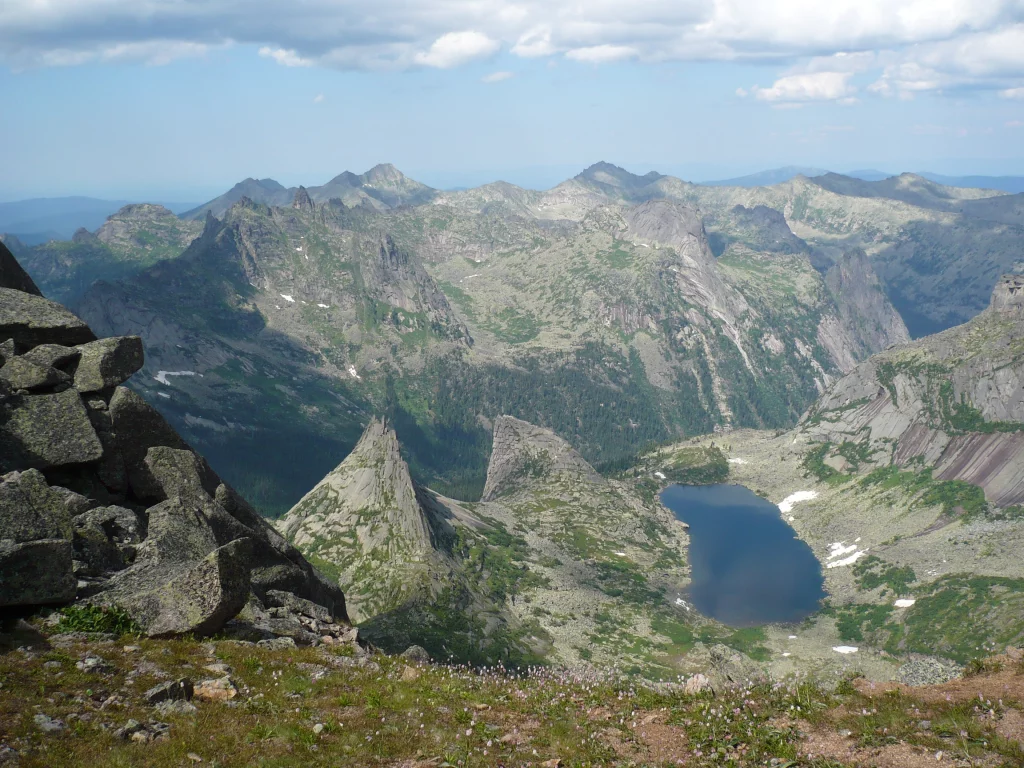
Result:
{"points": [[179, 99]]}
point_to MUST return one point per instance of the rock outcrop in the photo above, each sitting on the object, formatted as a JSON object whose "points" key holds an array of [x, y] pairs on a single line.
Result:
{"points": [[954, 401], [523, 453], [101, 500]]}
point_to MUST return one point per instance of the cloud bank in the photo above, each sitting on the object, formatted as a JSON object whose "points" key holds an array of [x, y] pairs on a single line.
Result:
{"points": [[896, 47]]}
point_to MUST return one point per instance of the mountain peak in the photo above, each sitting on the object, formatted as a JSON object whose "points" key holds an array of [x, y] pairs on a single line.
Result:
{"points": [[523, 452], [1008, 295], [141, 210], [384, 173], [614, 176]]}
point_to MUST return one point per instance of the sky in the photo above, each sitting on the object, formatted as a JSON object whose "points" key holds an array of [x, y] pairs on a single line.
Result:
{"points": [[180, 99]]}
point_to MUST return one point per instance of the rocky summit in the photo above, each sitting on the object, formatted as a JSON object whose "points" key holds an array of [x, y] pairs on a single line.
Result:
{"points": [[102, 504]]}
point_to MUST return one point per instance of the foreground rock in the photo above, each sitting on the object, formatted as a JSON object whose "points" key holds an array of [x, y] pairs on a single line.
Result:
{"points": [[101, 500]]}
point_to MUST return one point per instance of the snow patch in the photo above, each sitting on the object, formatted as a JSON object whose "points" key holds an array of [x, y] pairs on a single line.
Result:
{"points": [[738, 461], [847, 555], [286, 297], [792, 637], [787, 504], [164, 394], [844, 649], [353, 372], [904, 603], [621, 554], [324, 306], [660, 475], [161, 376], [787, 654]]}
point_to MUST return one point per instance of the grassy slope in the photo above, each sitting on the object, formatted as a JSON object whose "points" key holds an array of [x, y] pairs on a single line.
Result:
{"points": [[313, 707]]}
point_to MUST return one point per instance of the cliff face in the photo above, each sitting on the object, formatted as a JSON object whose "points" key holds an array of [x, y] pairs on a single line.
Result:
{"points": [[954, 400], [864, 322], [102, 501]]}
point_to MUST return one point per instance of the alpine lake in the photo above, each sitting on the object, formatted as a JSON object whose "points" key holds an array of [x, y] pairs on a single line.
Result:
{"points": [[748, 566]]}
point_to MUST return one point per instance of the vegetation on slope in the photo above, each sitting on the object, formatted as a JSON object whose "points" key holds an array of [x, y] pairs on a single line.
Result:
{"points": [[328, 707]]}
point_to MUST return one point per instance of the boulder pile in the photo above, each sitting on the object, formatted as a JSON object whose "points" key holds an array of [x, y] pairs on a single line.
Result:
{"points": [[101, 501]]}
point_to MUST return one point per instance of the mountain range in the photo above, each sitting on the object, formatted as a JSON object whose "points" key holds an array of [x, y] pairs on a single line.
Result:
{"points": [[461, 405], [622, 299]]}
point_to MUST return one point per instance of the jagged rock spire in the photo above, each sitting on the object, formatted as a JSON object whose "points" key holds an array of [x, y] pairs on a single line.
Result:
{"points": [[302, 200], [369, 510]]}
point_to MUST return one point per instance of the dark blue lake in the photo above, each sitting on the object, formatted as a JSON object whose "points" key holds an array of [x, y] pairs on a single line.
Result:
{"points": [[748, 567]]}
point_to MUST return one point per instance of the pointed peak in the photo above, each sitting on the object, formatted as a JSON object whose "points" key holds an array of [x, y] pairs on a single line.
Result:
{"points": [[383, 172], [12, 275], [524, 453], [377, 433], [368, 510], [211, 224], [302, 199]]}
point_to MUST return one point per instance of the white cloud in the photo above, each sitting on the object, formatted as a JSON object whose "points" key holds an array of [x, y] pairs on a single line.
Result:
{"points": [[600, 54], [496, 77], [456, 48], [1012, 93], [817, 86], [318, 99], [534, 43], [909, 46], [991, 60], [1015, 123], [285, 57]]}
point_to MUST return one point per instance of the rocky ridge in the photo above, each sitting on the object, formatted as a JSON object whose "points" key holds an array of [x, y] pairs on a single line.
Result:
{"points": [[101, 502], [953, 401]]}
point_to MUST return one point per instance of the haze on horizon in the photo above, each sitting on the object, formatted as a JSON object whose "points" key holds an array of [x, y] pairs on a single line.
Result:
{"points": [[160, 99]]}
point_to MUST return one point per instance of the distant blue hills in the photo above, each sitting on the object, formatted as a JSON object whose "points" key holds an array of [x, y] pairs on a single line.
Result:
{"points": [[1011, 184]]}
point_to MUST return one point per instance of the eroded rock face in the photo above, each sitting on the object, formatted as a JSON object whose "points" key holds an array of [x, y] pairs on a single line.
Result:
{"points": [[107, 362], [102, 500], [46, 430], [954, 400]]}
